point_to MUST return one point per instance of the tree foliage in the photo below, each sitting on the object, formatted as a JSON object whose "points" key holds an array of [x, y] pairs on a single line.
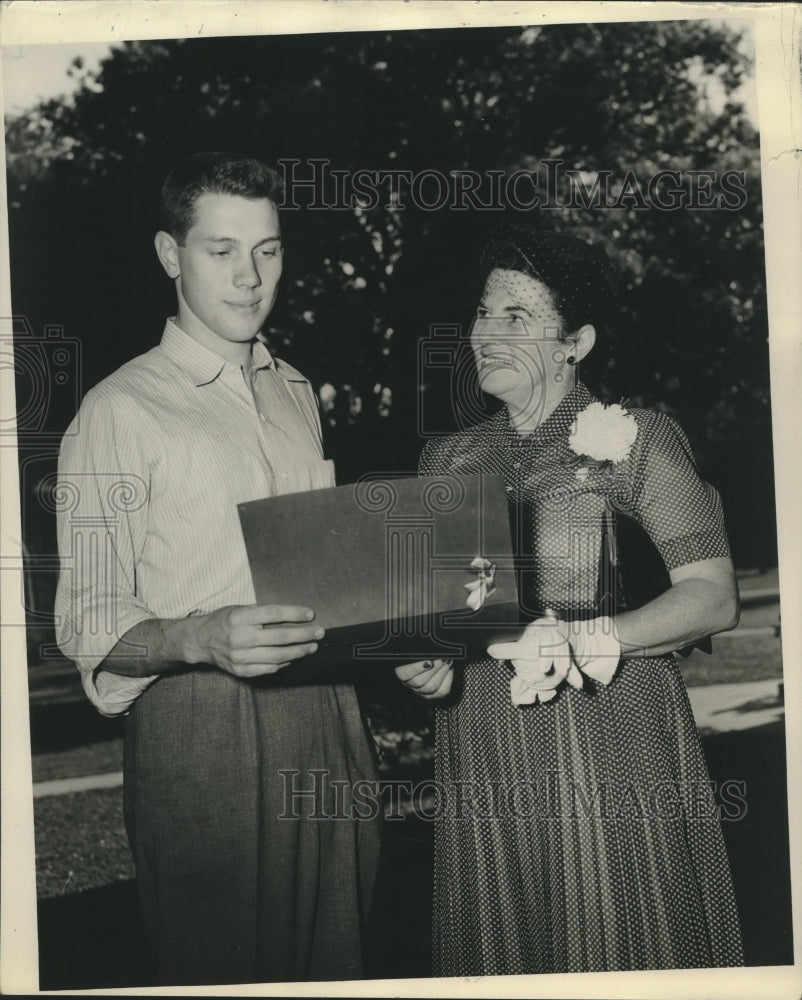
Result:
{"points": [[364, 285]]}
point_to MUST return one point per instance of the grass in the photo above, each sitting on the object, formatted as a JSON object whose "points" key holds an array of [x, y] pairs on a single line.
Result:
{"points": [[80, 842], [751, 658], [94, 758]]}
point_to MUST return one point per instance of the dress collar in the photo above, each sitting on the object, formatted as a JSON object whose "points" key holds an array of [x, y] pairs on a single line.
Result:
{"points": [[199, 363], [558, 422]]}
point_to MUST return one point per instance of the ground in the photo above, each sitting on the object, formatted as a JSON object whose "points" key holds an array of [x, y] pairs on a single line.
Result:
{"points": [[88, 932]]}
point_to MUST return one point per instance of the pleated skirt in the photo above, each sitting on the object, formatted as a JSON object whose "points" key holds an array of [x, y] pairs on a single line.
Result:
{"points": [[580, 834]]}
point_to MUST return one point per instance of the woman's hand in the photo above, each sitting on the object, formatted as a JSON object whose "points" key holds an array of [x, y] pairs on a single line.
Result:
{"points": [[428, 678]]}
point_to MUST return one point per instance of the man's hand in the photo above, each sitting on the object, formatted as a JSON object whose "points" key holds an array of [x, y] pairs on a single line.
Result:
{"points": [[428, 678], [249, 640]]}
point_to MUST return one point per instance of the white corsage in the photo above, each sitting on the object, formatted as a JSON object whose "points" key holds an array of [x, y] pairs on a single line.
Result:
{"points": [[483, 586], [603, 435]]}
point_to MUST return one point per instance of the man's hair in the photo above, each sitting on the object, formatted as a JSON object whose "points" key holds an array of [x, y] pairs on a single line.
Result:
{"points": [[212, 173]]}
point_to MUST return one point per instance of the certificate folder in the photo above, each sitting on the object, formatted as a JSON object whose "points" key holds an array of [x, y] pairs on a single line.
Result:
{"points": [[395, 569]]}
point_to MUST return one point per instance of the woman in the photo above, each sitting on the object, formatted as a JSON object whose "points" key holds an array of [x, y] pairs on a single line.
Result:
{"points": [[578, 831]]}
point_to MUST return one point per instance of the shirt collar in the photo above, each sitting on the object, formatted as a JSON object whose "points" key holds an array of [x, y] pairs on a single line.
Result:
{"points": [[201, 364]]}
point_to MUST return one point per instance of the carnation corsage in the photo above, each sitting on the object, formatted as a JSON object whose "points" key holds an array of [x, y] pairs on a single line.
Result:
{"points": [[601, 436]]}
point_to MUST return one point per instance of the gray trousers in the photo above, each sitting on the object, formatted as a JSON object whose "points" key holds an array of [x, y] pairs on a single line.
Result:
{"points": [[242, 877]]}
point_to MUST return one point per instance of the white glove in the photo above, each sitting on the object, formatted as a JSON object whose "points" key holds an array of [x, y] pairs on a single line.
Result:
{"points": [[541, 659], [596, 649], [550, 652]]}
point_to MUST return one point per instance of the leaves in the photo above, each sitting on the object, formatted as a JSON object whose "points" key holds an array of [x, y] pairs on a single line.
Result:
{"points": [[363, 286]]}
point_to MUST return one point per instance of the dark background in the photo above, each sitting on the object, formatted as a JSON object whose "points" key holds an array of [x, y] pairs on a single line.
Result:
{"points": [[361, 289], [360, 292]]}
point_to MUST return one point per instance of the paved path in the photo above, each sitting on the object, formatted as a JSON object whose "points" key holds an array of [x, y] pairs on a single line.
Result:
{"points": [[87, 783], [717, 708], [725, 708]]}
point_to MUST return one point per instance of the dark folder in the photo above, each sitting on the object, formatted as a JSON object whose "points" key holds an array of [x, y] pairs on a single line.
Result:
{"points": [[390, 566]]}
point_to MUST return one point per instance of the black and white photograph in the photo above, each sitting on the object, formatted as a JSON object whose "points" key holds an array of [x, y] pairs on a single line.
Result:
{"points": [[400, 497]]}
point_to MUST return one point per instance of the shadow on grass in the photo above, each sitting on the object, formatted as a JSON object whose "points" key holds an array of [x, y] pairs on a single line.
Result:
{"points": [[66, 725], [92, 940], [758, 844]]}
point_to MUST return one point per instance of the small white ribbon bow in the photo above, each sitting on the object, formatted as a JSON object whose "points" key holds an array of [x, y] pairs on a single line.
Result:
{"points": [[483, 586]]}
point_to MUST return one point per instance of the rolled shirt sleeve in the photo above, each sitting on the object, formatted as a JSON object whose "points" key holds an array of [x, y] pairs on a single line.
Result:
{"points": [[102, 507]]}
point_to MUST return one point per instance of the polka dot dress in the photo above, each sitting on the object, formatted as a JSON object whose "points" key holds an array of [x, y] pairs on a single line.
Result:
{"points": [[580, 834]]}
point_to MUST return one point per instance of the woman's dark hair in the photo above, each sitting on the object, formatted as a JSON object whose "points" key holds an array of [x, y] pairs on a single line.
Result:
{"points": [[581, 278], [212, 173]]}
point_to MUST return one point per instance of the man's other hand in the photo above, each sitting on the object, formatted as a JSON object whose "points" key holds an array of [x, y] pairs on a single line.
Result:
{"points": [[250, 640]]}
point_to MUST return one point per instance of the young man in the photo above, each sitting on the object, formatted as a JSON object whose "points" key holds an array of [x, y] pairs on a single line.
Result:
{"points": [[156, 606]]}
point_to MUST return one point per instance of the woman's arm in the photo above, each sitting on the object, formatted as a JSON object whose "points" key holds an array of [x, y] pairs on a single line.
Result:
{"points": [[702, 600]]}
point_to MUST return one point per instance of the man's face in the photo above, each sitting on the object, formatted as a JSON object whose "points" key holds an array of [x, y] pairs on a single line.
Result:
{"points": [[228, 269]]}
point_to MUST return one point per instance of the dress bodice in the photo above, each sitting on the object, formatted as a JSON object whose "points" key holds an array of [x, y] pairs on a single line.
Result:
{"points": [[563, 509]]}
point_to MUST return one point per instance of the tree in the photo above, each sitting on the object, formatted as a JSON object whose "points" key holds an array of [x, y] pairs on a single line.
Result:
{"points": [[365, 283]]}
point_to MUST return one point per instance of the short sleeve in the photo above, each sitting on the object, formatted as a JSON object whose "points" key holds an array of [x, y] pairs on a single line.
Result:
{"points": [[681, 513], [431, 460]]}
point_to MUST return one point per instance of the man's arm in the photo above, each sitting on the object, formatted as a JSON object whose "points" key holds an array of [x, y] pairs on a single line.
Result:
{"points": [[104, 481], [246, 641]]}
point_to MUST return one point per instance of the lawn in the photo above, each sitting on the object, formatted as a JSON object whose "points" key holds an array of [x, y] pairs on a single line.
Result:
{"points": [[81, 841], [733, 660]]}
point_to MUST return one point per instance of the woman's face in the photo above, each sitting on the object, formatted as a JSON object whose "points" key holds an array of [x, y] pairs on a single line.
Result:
{"points": [[516, 341]]}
